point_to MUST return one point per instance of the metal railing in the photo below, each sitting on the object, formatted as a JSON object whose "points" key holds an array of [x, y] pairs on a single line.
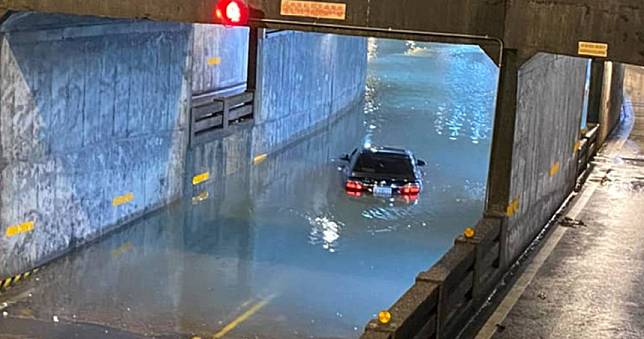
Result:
{"points": [[447, 295]]}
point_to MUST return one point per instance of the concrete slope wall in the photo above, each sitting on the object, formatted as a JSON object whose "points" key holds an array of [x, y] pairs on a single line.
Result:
{"points": [[550, 102], [304, 80], [93, 122]]}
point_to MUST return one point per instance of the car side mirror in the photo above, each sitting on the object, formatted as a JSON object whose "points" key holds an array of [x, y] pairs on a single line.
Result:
{"points": [[421, 163], [345, 157]]}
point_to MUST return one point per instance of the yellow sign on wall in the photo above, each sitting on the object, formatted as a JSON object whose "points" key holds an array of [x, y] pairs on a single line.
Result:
{"points": [[314, 9], [14, 230], [123, 199], [595, 49]]}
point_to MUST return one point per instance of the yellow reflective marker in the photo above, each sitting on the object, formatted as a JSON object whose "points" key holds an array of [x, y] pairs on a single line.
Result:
{"points": [[513, 207], [198, 179], [15, 230], [123, 199], [214, 61], [384, 317], [122, 249], [554, 169], [243, 317], [260, 159], [469, 233], [577, 147], [202, 196]]}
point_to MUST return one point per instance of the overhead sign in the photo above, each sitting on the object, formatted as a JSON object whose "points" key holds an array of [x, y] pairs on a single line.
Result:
{"points": [[595, 49], [314, 9]]}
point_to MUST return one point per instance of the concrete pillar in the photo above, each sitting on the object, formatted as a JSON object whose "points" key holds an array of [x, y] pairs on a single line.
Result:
{"points": [[596, 90], [498, 186]]}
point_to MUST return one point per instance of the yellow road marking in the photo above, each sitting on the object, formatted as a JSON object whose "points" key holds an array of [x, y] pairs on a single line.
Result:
{"points": [[243, 317]]}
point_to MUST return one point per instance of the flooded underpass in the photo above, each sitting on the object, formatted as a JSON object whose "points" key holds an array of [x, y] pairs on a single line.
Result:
{"points": [[275, 248]]}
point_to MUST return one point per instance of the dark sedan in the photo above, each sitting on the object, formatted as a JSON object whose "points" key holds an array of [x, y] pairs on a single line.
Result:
{"points": [[382, 171]]}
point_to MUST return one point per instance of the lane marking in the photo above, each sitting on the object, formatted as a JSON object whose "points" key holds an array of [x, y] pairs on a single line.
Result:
{"points": [[243, 317], [489, 329]]}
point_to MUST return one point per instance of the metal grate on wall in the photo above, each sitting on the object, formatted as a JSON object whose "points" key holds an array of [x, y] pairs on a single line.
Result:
{"points": [[213, 115]]}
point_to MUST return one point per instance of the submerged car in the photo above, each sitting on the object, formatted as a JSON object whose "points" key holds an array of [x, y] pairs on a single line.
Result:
{"points": [[382, 171]]}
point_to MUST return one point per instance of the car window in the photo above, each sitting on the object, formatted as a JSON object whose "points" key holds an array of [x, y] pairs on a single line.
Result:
{"points": [[384, 164]]}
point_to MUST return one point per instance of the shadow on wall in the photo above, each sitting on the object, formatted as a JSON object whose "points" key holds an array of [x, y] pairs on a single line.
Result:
{"points": [[93, 124]]}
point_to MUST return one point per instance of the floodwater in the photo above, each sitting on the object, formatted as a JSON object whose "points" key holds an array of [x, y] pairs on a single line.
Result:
{"points": [[277, 249]]}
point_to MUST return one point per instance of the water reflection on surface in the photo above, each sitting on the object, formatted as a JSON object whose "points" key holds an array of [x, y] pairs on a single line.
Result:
{"points": [[283, 234]]}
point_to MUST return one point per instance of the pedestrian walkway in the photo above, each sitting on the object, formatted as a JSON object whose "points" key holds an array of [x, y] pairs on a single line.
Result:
{"points": [[587, 281]]}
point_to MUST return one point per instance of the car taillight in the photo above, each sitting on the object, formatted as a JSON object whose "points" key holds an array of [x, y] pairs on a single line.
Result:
{"points": [[410, 189], [353, 185]]}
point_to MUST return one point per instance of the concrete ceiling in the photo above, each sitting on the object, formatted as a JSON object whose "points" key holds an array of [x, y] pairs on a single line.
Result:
{"points": [[553, 26]]}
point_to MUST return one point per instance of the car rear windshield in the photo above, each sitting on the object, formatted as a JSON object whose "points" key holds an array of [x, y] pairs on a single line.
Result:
{"points": [[385, 164]]}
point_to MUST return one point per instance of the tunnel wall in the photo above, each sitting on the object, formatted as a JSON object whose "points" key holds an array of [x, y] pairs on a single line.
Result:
{"points": [[87, 115], [220, 58], [611, 99], [304, 81], [544, 168]]}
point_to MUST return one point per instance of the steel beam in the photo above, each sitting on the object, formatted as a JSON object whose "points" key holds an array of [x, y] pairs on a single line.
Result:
{"points": [[553, 26]]}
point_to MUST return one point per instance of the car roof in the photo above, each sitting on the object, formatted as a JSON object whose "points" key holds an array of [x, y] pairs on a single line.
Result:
{"points": [[387, 150]]}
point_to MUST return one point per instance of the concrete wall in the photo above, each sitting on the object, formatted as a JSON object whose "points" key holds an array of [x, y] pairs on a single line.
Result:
{"points": [[88, 114], [550, 102], [611, 99], [221, 57], [304, 79]]}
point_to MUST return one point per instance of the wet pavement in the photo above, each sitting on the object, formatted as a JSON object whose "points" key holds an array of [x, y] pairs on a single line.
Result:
{"points": [[277, 249], [591, 284]]}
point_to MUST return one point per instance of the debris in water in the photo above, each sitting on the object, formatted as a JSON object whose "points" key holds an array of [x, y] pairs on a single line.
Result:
{"points": [[5, 314], [541, 296], [55, 318]]}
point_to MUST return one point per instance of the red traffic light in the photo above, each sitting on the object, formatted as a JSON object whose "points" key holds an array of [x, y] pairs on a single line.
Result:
{"points": [[232, 12]]}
